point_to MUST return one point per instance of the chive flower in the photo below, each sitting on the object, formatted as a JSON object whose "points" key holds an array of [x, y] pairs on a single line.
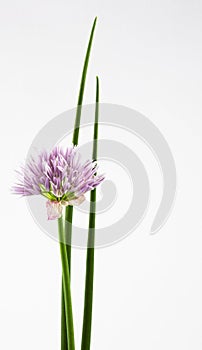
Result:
{"points": [[59, 176]]}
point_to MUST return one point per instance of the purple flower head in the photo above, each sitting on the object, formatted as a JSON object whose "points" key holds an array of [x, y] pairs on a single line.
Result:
{"points": [[58, 176]]}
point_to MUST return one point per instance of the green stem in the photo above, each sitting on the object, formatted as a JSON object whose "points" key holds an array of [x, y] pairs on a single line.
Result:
{"points": [[82, 86], [88, 303], [66, 287], [64, 344], [68, 233], [69, 209], [68, 237]]}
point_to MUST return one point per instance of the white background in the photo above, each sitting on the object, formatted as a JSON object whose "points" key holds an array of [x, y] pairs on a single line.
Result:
{"points": [[148, 55]]}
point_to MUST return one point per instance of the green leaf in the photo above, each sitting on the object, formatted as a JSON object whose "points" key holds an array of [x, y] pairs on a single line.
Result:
{"points": [[82, 87], [88, 303], [69, 209]]}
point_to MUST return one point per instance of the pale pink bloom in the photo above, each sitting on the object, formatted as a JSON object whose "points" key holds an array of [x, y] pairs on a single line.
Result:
{"points": [[77, 201], [54, 210]]}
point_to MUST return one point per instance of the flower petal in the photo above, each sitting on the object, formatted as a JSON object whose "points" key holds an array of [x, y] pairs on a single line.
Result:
{"points": [[77, 201], [54, 210]]}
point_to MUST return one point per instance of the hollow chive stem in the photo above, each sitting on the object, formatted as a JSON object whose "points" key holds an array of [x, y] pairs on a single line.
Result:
{"points": [[66, 287], [82, 87], [88, 299], [64, 344], [69, 209]]}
